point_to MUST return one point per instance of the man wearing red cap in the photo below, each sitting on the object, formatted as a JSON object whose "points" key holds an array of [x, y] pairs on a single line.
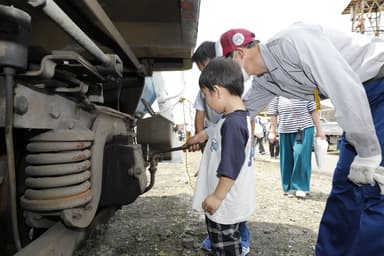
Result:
{"points": [[348, 69]]}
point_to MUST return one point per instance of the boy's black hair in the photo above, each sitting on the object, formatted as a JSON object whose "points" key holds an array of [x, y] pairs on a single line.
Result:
{"points": [[205, 51], [225, 73]]}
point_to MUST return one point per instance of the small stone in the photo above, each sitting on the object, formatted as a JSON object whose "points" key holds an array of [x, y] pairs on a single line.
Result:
{"points": [[187, 242]]}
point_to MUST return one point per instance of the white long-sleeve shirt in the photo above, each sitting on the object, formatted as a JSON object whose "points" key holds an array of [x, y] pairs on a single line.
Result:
{"points": [[305, 56]]}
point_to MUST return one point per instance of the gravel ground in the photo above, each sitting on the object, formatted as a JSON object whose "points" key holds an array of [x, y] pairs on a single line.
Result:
{"points": [[162, 223]]}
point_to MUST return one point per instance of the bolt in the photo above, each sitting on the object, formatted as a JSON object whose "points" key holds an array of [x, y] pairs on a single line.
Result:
{"points": [[54, 112], [70, 125], [54, 115], [76, 215], [21, 105]]}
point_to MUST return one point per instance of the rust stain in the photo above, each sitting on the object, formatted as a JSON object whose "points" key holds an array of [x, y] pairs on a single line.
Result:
{"points": [[67, 198], [187, 5]]}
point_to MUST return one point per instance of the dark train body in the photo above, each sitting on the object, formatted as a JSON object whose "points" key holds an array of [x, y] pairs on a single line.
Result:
{"points": [[72, 79]]}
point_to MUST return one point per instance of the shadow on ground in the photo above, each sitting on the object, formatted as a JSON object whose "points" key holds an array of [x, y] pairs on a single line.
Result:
{"points": [[166, 225]]}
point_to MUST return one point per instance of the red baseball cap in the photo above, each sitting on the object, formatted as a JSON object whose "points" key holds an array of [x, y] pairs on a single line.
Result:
{"points": [[232, 39]]}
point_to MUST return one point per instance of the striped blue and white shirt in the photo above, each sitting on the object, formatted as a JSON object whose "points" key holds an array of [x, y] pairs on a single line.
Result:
{"points": [[293, 114]]}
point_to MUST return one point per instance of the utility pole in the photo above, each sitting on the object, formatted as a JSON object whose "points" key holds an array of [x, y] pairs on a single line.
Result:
{"points": [[366, 16]]}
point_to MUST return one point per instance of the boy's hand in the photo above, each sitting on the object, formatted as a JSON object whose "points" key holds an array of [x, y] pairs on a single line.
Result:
{"points": [[211, 203], [194, 143]]}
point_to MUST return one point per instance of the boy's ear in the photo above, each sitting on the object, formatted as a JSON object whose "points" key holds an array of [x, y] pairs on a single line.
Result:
{"points": [[217, 89]]}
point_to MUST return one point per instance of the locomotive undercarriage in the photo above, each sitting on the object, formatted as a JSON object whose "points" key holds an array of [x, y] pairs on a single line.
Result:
{"points": [[60, 143], [58, 132]]}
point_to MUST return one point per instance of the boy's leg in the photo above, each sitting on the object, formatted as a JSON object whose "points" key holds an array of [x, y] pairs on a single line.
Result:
{"points": [[225, 239], [244, 232], [245, 238]]}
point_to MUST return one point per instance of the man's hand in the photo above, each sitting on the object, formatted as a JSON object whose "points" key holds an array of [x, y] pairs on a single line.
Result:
{"points": [[211, 203], [194, 143], [362, 169]]}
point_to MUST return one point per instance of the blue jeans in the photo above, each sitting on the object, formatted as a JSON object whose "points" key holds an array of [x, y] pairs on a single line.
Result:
{"points": [[353, 219], [244, 232]]}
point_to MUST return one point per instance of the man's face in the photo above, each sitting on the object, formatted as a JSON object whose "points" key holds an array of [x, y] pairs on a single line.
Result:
{"points": [[202, 65], [239, 57]]}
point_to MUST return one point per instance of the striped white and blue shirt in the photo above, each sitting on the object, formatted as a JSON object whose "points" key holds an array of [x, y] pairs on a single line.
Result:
{"points": [[293, 114]]}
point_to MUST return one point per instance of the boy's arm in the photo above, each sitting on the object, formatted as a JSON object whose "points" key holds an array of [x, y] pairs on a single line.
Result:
{"points": [[213, 201], [199, 121], [193, 143]]}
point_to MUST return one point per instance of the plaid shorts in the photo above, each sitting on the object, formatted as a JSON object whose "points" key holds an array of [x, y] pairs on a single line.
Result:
{"points": [[225, 239]]}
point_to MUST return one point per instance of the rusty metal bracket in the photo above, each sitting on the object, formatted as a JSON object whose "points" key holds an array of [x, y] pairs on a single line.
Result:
{"points": [[154, 159]]}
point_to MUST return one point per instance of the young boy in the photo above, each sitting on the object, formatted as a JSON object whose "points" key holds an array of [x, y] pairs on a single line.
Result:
{"points": [[205, 117], [225, 187]]}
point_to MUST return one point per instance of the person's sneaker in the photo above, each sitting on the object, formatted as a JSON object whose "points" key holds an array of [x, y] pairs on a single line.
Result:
{"points": [[244, 248], [300, 194], [290, 193], [206, 244]]}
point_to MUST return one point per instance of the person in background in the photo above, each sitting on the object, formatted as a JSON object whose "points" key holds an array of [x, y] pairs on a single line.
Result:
{"points": [[273, 141], [225, 186], [205, 117], [297, 119], [259, 134], [348, 69]]}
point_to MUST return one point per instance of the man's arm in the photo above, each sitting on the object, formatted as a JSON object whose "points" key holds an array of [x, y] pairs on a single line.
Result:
{"points": [[344, 88], [257, 98]]}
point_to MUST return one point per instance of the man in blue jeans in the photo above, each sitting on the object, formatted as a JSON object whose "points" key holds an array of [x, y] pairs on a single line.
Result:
{"points": [[348, 68], [359, 231], [205, 117]]}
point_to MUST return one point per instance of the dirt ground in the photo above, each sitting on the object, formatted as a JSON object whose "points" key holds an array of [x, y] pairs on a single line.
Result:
{"points": [[162, 223]]}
